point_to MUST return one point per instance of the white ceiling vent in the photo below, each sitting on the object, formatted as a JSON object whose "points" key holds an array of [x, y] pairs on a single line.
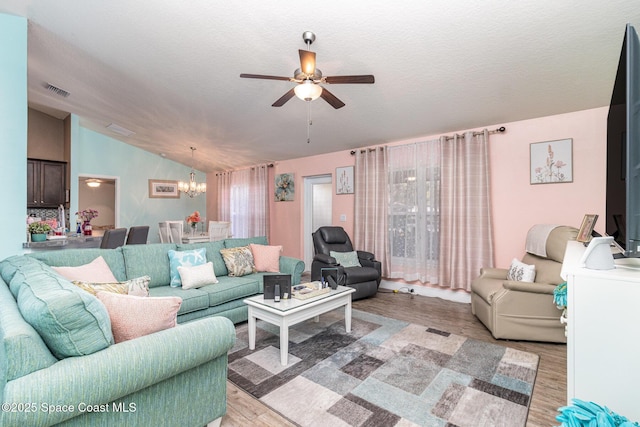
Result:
{"points": [[120, 130], [54, 89]]}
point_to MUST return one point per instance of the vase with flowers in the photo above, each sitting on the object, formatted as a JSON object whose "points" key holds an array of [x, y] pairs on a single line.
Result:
{"points": [[193, 221], [86, 215]]}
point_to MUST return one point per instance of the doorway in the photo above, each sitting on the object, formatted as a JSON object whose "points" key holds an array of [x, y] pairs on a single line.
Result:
{"points": [[318, 209], [102, 194]]}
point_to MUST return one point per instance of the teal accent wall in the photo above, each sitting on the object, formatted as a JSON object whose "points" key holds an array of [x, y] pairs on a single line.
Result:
{"points": [[93, 153], [13, 133]]}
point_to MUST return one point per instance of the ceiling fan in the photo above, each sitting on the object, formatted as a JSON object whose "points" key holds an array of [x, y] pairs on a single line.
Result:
{"points": [[309, 78]]}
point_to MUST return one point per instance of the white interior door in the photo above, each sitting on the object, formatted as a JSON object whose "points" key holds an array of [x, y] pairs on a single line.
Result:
{"points": [[318, 191]]}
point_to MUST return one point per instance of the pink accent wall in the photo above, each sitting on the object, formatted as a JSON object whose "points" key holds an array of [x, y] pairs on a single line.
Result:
{"points": [[287, 222], [517, 205]]}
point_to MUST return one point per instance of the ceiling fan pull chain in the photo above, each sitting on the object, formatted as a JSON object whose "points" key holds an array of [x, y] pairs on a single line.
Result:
{"points": [[309, 122]]}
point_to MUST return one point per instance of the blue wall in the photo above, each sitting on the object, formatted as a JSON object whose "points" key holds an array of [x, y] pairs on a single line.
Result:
{"points": [[95, 154], [91, 154], [13, 133]]}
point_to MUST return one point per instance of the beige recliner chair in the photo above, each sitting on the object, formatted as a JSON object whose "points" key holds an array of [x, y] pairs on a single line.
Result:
{"points": [[525, 310]]}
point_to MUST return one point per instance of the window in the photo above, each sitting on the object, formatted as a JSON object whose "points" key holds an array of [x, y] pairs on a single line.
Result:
{"points": [[242, 199], [414, 182]]}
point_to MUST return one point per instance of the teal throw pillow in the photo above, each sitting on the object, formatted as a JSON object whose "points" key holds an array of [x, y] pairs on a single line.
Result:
{"points": [[70, 321], [184, 259], [346, 259]]}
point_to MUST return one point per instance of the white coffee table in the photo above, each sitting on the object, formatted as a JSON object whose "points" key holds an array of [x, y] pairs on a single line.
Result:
{"points": [[292, 311]]}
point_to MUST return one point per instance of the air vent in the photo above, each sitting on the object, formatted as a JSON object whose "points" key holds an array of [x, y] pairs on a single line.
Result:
{"points": [[60, 92], [120, 130]]}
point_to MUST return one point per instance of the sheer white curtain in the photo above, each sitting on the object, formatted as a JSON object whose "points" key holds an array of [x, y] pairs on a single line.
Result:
{"points": [[371, 201], [224, 196], [440, 211], [242, 199], [466, 237], [414, 215]]}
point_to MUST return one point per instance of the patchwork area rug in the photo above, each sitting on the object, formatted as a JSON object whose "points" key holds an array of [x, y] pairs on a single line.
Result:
{"points": [[385, 372]]}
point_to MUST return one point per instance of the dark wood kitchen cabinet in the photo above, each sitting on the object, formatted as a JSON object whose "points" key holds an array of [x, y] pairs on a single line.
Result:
{"points": [[45, 183]]}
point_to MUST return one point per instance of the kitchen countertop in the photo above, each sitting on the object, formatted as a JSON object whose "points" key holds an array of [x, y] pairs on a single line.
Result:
{"points": [[72, 241]]}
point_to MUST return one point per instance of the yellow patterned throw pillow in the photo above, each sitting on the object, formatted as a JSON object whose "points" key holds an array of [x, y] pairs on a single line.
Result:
{"points": [[138, 287], [239, 261], [93, 288]]}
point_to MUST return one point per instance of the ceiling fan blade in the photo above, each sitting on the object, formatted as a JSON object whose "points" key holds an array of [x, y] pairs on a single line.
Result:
{"points": [[283, 99], [260, 76], [368, 78], [307, 61], [331, 99]]}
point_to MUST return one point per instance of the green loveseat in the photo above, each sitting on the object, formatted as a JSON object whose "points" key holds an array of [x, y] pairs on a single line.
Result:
{"points": [[172, 377]]}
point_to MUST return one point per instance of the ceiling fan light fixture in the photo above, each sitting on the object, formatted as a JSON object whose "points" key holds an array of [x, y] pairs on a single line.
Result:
{"points": [[308, 90]]}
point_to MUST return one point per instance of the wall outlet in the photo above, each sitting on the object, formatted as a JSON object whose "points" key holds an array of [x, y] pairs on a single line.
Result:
{"points": [[343, 218]]}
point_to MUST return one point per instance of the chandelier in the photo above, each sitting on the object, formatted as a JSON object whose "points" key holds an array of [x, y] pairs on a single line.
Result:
{"points": [[192, 188]]}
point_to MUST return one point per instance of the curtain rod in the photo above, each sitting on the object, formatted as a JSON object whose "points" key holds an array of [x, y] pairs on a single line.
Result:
{"points": [[269, 165], [499, 130]]}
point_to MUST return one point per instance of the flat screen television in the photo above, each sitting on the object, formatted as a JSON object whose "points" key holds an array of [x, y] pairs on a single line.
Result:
{"points": [[623, 150]]}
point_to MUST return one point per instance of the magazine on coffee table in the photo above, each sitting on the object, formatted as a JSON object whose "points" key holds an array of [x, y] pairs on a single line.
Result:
{"points": [[309, 290]]}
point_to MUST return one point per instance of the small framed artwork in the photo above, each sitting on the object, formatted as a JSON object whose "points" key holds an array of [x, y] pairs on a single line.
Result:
{"points": [[588, 222], [551, 162], [344, 180], [285, 187], [163, 189]]}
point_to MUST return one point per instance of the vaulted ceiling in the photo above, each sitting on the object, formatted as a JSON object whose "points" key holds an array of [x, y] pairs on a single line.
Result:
{"points": [[169, 71]]}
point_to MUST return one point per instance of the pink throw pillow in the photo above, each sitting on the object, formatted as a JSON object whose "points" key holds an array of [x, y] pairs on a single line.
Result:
{"points": [[266, 258], [97, 271], [132, 316]]}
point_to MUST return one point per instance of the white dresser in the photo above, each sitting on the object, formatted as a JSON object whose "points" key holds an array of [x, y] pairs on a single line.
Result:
{"points": [[603, 334]]}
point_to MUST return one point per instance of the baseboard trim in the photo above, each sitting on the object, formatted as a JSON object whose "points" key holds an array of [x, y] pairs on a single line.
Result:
{"points": [[456, 296]]}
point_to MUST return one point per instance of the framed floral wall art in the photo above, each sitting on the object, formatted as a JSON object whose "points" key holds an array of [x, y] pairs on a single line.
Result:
{"points": [[285, 187], [551, 162], [344, 180]]}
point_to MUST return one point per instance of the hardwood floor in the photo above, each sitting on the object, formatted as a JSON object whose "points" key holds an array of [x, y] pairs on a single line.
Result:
{"points": [[549, 392]]}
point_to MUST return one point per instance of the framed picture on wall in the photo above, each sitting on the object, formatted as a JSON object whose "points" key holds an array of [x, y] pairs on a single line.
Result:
{"points": [[551, 162], [344, 180], [285, 189], [163, 189]]}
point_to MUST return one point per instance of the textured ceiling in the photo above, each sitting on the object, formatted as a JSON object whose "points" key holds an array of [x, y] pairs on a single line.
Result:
{"points": [[169, 71]]}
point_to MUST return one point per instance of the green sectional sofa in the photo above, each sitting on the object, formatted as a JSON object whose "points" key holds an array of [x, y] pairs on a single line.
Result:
{"points": [[222, 299], [176, 376]]}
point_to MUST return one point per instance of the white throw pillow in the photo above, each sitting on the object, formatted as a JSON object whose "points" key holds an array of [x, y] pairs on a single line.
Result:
{"points": [[185, 259], [197, 276], [521, 272]]}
